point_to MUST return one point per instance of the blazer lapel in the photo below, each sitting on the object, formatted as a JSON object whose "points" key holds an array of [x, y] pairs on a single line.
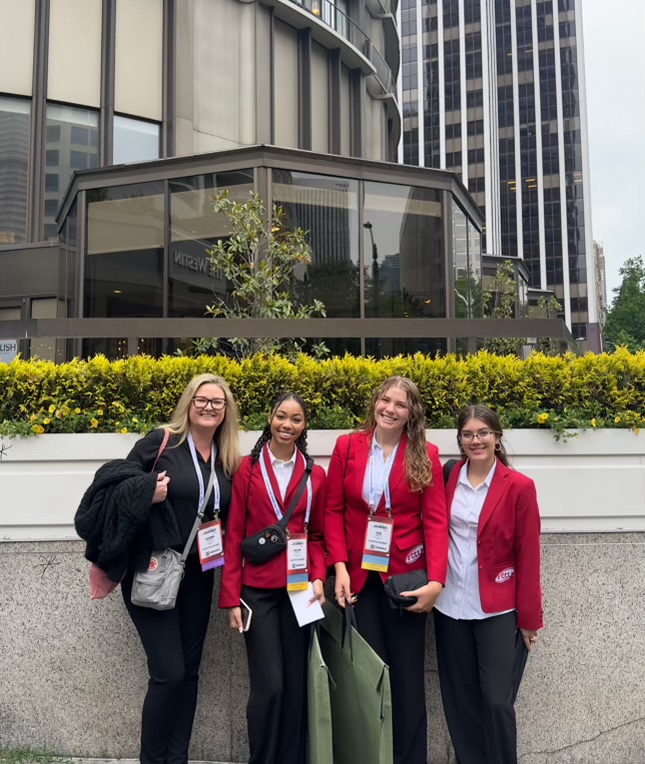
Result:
{"points": [[360, 445], [398, 468], [498, 487]]}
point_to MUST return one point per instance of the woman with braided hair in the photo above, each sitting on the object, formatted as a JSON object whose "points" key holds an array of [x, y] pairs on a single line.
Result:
{"points": [[265, 486]]}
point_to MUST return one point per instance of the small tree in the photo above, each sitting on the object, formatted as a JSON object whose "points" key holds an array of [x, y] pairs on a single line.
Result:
{"points": [[626, 318], [500, 300], [258, 261]]}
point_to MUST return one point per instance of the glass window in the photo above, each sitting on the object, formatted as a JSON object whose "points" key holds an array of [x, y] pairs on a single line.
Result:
{"points": [[124, 264], [404, 263], [135, 140], [195, 228], [14, 165], [73, 133], [327, 208]]}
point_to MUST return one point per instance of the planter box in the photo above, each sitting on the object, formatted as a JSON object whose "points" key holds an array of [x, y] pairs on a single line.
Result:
{"points": [[594, 482]]}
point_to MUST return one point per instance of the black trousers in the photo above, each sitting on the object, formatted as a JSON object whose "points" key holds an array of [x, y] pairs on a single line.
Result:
{"points": [[276, 649], [173, 641], [476, 672], [398, 637]]}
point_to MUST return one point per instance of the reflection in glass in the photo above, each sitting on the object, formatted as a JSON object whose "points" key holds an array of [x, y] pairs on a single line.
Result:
{"points": [[74, 134], [404, 264], [135, 140], [123, 275], [327, 208], [194, 229], [14, 164]]}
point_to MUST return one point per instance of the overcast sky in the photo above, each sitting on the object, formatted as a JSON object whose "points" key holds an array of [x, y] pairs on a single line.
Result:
{"points": [[614, 40]]}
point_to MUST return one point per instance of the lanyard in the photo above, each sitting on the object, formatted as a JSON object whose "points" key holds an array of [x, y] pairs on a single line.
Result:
{"points": [[200, 477], [373, 490], [269, 488]]}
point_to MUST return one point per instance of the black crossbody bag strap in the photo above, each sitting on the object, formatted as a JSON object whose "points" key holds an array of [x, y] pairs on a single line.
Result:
{"points": [[301, 487]]}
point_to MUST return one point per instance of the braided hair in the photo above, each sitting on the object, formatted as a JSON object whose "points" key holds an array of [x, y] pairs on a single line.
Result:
{"points": [[265, 437]]}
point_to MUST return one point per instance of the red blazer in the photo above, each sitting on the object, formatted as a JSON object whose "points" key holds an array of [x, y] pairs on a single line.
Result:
{"points": [[508, 546], [251, 511], [420, 536]]}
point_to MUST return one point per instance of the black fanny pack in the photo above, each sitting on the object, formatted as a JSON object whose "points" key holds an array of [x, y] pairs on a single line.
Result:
{"points": [[270, 541]]}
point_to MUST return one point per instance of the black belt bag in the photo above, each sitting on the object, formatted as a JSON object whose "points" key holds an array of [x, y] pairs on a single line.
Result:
{"points": [[269, 542]]}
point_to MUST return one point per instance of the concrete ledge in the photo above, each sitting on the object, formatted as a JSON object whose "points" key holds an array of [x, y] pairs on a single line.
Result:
{"points": [[73, 671]]}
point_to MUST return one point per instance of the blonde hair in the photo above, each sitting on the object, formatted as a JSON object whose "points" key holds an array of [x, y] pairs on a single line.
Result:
{"points": [[227, 435], [418, 471]]}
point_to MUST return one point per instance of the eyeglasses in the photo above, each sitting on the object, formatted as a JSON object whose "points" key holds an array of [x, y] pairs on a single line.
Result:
{"points": [[482, 436], [217, 404]]}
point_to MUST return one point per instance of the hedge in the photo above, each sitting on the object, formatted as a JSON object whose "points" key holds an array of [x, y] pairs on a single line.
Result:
{"points": [[97, 395]]}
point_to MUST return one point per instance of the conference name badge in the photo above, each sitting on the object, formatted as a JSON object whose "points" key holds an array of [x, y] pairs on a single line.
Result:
{"points": [[378, 539], [297, 569], [210, 545]]}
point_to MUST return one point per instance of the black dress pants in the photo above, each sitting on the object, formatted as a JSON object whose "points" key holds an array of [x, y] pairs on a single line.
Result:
{"points": [[476, 661], [173, 641], [398, 637], [276, 649]]}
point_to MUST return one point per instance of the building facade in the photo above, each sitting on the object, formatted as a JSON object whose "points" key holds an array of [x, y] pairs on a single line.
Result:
{"points": [[495, 91], [89, 84]]}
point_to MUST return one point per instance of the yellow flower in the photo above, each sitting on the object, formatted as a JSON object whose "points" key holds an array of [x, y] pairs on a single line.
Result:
{"points": [[38, 429], [47, 420], [123, 430], [100, 412], [637, 430], [135, 420], [52, 408], [33, 418], [593, 422], [77, 411], [94, 422], [617, 419], [541, 418]]}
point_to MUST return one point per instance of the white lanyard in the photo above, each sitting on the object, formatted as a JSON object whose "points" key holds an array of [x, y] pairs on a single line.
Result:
{"points": [[200, 477], [373, 490], [271, 493]]}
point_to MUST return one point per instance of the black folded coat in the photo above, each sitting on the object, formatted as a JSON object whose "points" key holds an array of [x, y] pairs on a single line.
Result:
{"points": [[118, 521]]}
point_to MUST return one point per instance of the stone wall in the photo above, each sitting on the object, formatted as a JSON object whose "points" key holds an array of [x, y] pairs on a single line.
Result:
{"points": [[72, 671]]}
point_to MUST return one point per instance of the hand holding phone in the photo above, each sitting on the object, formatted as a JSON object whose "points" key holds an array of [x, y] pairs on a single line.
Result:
{"points": [[247, 614]]}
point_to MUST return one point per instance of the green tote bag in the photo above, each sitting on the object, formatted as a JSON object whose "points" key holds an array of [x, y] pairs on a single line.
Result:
{"points": [[320, 735], [361, 700]]}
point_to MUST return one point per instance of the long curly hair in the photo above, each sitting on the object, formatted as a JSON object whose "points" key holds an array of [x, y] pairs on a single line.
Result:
{"points": [[491, 420], [301, 442], [227, 435], [418, 471]]}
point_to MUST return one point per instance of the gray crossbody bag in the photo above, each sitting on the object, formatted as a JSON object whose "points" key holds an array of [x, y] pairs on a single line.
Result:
{"points": [[157, 586]]}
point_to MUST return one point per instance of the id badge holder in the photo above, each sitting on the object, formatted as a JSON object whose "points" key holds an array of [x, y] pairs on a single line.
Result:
{"points": [[297, 567], [378, 539], [210, 545]]}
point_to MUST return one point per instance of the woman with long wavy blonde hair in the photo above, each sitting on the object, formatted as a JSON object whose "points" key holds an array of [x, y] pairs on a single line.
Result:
{"points": [[385, 515]]}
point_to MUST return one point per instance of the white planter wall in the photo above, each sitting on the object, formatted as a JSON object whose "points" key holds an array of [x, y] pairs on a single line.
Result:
{"points": [[594, 482]]}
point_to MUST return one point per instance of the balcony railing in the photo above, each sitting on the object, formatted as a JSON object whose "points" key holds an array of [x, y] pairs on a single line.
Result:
{"points": [[331, 15]]}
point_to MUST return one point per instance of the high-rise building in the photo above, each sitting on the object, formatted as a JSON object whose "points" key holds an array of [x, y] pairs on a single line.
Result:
{"points": [[601, 281], [495, 90]]}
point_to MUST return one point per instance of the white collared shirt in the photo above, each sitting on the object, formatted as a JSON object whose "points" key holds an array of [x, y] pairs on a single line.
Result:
{"points": [[376, 473], [460, 598], [283, 471]]}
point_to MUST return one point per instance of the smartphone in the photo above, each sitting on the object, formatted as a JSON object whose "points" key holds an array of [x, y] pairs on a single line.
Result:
{"points": [[247, 614]]}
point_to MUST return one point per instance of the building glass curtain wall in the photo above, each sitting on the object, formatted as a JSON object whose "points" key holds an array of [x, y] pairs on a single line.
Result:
{"points": [[379, 249], [135, 140], [14, 163], [495, 91]]}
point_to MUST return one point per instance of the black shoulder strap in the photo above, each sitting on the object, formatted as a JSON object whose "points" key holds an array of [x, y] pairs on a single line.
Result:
{"points": [[301, 487], [447, 469]]}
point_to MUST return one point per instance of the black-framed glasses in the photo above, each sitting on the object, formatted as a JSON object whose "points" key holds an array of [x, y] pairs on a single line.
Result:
{"points": [[482, 435], [217, 404]]}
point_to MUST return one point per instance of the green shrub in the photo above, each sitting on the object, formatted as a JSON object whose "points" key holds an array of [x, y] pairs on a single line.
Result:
{"points": [[135, 394]]}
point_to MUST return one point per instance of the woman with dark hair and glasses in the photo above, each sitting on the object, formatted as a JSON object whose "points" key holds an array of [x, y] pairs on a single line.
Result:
{"points": [[265, 486], [490, 611], [202, 436]]}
